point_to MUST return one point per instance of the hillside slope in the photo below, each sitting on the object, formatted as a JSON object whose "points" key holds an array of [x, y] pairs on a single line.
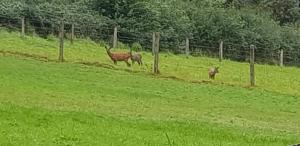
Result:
{"points": [[48, 103], [272, 78]]}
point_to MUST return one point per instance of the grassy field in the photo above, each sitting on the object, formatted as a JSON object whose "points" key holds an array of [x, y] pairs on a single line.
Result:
{"points": [[70, 104], [89, 101], [272, 78]]}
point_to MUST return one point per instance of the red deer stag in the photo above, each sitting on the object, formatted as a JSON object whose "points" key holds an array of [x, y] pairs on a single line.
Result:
{"points": [[115, 57], [212, 72]]}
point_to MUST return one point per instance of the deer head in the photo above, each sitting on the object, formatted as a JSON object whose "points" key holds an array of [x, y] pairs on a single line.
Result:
{"points": [[108, 50], [216, 69]]}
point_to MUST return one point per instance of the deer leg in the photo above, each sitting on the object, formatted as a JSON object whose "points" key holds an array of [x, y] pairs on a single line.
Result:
{"points": [[141, 62], [128, 64], [115, 62]]}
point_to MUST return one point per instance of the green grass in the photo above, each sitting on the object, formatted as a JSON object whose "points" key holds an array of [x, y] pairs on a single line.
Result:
{"points": [[43, 102], [272, 78], [48, 103]]}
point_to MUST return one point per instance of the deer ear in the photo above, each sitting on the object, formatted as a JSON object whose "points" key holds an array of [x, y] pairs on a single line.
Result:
{"points": [[107, 48]]}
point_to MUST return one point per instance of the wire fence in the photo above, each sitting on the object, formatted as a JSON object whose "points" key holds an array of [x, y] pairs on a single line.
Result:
{"points": [[95, 32], [193, 68]]}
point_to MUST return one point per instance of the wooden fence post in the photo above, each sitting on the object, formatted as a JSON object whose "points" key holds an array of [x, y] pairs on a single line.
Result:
{"points": [[23, 26], [61, 42], [281, 57], [252, 62], [221, 51], [72, 33], [153, 43], [115, 37], [156, 53], [187, 47]]}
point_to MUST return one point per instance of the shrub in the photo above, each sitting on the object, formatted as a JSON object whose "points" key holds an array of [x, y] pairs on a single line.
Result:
{"points": [[123, 46], [136, 47]]}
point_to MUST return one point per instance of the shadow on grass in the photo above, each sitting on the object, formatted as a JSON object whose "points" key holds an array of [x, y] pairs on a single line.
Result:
{"points": [[112, 67]]}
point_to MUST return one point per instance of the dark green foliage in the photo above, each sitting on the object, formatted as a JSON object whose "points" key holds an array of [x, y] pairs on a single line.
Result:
{"points": [[268, 24], [287, 11], [46, 16]]}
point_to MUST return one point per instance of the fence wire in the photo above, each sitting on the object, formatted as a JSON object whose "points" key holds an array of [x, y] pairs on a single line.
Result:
{"points": [[192, 68]]}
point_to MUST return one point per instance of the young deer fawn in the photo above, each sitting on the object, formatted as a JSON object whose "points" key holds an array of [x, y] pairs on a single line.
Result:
{"points": [[136, 58], [212, 72]]}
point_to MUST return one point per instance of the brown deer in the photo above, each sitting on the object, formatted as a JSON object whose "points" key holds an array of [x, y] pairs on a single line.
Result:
{"points": [[212, 72], [115, 57], [136, 58]]}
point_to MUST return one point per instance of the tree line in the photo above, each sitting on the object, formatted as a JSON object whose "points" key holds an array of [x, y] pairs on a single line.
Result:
{"points": [[267, 24]]}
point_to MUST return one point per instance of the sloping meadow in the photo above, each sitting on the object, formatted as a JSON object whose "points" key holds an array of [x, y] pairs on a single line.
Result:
{"points": [[193, 69], [49, 103]]}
